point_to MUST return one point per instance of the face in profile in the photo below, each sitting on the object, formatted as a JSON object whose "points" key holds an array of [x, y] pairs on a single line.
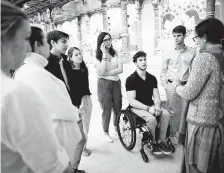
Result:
{"points": [[178, 38], [107, 41], [20, 44], [61, 45], [141, 63], [76, 57], [201, 42], [44, 49]]}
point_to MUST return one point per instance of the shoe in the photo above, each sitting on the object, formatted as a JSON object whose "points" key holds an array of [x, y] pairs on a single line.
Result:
{"points": [[156, 150], [86, 152], [164, 148], [108, 138], [79, 171]]}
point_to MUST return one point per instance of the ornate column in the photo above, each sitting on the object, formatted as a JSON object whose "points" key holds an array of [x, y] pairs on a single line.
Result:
{"points": [[155, 4], [125, 35], [138, 6], [210, 8], [104, 14], [79, 33], [221, 9]]}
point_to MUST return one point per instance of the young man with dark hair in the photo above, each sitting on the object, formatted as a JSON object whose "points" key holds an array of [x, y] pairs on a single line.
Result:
{"points": [[57, 66], [176, 65], [141, 86]]}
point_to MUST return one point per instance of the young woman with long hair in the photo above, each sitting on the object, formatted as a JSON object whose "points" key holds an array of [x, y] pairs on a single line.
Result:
{"points": [[77, 74], [109, 66]]}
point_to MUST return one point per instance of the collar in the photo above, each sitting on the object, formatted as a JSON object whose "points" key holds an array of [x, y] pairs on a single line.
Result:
{"points": [[185, 47], [137, 75], [217, 48], [55, 58], [35, 58]]}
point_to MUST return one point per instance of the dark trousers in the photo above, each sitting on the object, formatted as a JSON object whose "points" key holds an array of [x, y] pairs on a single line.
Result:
{"points": [[109, 96]]}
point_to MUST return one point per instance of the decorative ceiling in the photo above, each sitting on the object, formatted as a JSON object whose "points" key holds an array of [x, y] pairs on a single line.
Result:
{"points": [[59, 10], [33, 6]]}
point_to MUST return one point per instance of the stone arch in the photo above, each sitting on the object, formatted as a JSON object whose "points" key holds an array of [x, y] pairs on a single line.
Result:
{"points": [[194, 13], [169, 17]]}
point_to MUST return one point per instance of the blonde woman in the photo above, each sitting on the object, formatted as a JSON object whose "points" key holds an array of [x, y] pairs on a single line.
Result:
{"points": [[25, 121]]}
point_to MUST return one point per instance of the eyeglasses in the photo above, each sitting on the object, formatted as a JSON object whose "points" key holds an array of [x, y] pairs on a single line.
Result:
{"points": [[195, 38], [107, 40]]}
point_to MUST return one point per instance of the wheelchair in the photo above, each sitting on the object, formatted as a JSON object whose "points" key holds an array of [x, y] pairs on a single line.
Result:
{"points": [[128, 122]]}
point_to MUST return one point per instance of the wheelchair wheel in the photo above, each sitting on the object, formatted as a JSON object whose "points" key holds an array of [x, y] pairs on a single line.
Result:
{"points": [[126, 130], [144, 156]]}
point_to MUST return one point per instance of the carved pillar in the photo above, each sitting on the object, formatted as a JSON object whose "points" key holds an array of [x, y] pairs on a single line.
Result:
{"points": [[52, 26], [104, 14], [125, 35], [221, 9], [210, 8], [138, 7], [88, 18], [79, 33], [156, 25]]}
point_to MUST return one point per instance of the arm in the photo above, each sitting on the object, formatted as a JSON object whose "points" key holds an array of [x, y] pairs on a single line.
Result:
{"points": [[156, 97], [26, 128], [163, 73], [116, 71], [135, 103], [201, 70], [101, 67]]}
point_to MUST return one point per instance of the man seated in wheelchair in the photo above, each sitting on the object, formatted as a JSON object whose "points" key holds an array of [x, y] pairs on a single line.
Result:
{"points": [[141, 86]]}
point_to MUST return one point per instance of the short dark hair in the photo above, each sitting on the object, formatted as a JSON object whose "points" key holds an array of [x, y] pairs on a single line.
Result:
{"points": [[138, 54], [212, 28], [55, 36], [180, 29], [37, 34]]}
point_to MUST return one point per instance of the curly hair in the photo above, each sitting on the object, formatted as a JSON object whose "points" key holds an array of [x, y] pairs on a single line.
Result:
{"points": [[99, 53], [138, 55], [82, 64]]}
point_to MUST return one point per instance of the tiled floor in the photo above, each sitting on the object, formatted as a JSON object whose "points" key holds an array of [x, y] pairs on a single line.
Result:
{"points": [[113, 157]]}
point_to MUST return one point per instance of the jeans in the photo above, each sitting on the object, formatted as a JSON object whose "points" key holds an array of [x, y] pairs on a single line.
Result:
{"points": [[109, 96], [174, 107], [151, 122], [79, 147], [85, 110]]}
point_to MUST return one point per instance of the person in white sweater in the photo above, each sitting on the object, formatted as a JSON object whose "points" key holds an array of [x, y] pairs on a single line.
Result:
{"points": [[28, 142], [52, 91]]}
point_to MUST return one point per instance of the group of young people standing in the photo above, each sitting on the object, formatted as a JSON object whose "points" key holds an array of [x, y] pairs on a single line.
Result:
{"points": [[46, 109]]}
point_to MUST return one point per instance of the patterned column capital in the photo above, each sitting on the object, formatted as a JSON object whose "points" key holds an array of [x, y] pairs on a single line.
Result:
{"points": [[210, 8]]}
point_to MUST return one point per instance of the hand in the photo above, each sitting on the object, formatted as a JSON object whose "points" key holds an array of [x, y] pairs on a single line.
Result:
{"points": [[176, 82], [103, 48], [158, 110], [151, 110]]}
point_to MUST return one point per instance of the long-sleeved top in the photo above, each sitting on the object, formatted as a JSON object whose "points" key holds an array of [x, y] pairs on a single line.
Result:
{"points": [[176, 65], [202, 89], [24, 132], [52, 90], [79, 84]]}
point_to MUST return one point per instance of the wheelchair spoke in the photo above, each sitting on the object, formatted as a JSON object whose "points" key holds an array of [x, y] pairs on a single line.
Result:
{"points": [[125, 129]]}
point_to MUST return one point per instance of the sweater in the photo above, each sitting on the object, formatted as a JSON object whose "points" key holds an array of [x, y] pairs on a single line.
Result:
{"points": [[202, 89]]}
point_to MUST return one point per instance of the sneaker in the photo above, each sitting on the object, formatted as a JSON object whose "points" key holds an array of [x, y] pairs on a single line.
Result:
{"points": [[156, 150], [163, 147]]}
